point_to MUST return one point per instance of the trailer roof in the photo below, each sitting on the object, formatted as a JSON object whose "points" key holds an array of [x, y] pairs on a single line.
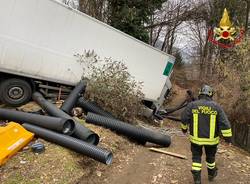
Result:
{"points": [[110, 27]]}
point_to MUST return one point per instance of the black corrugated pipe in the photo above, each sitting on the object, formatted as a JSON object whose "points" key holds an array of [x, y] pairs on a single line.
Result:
{"points": [[71, 100], [169, 111], [77, 145], [137, 133], [63, 125], [189, 98], [81, 132], [173, 118], [92, 107]]}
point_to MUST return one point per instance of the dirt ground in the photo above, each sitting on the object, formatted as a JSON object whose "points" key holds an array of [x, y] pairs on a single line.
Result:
{"points": [[132, 163], [141, 166]]}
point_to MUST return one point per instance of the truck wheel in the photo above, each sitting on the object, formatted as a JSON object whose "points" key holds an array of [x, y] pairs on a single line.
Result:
{"points": [[15, 92]]}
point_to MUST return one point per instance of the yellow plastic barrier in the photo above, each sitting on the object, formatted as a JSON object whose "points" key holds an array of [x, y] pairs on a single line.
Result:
{"points": [[13, 137]]}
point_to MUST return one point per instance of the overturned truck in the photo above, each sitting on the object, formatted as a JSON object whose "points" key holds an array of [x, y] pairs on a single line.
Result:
{"points": [[40, 38]]}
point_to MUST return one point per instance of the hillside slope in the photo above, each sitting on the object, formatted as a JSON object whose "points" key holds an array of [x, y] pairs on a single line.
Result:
{"points": [[132, 164]]}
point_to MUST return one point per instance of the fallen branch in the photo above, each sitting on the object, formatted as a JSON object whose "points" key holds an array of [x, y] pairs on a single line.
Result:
{"points": [[168, 153]]}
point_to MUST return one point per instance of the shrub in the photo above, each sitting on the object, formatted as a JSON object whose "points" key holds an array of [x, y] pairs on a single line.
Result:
{"points": [[111, 86]]}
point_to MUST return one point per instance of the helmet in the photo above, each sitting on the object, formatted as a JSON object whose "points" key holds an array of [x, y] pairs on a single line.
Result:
{"points": [[206, 90]]}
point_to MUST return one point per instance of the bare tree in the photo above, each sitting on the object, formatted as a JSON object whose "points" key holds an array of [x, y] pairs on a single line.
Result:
{"points": [[166, 22], [95, 8], [72, 3], [197, 28], [247, 14]]}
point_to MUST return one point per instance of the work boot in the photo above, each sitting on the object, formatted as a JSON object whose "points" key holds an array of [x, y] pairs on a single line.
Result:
{"points": [[212, 173], [196, 176]]}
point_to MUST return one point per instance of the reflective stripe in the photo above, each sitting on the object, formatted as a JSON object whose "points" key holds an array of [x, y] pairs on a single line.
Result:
{"points": [[210, 166], [195, 128], [196, 166], [227, 133], [204, 141], [212, 126], [184, 127]]}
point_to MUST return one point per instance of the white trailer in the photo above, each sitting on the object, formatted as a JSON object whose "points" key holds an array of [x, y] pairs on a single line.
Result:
{"points": [[38, 41]]}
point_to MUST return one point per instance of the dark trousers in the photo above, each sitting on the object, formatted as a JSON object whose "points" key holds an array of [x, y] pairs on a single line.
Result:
{"points": [[197, 154]]}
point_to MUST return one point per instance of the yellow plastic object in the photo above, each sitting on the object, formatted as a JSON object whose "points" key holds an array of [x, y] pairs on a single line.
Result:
{"points": [[13, 137]]}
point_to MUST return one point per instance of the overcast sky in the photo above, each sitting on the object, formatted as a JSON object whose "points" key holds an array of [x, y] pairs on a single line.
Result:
{"points": [[182, 40]]}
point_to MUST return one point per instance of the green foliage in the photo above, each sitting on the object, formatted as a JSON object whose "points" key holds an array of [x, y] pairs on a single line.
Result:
{"points": [[131, 16], [112, 87]]}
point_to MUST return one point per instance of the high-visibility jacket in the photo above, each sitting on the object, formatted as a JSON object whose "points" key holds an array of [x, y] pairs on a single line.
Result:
{"points": [[206, 120]]}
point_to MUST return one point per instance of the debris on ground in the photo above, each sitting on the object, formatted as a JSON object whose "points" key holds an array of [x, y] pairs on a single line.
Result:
{"points": [[168, 153], [13, 137], [132, 163]]}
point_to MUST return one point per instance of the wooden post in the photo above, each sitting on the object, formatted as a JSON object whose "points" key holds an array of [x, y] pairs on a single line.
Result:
{"points": [[168, 153]]}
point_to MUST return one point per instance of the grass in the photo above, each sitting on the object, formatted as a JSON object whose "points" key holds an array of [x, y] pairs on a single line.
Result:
{"points": [[55, 165]]}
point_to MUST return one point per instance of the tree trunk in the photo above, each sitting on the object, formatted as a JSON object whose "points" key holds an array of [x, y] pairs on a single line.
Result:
{"points": [[247, 15]]}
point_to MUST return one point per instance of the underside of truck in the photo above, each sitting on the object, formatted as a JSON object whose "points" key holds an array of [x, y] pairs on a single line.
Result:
{"points": [[16, 90]]}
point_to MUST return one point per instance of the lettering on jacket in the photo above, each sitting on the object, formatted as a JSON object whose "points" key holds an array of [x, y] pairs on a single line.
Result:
{"points": [[204, 110]]}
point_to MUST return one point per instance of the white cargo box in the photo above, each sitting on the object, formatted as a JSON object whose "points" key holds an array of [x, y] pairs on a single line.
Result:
{"points": [[39, 38]]}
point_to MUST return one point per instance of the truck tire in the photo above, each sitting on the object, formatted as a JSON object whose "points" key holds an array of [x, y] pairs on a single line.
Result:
{"points": [[15, 92]]}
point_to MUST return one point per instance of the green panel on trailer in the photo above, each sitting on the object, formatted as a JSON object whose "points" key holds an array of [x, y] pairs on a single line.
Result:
{"points": [[168, 69]]}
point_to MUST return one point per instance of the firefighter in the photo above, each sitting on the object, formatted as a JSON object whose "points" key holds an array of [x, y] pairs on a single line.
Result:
{"points": [[206, 120]]}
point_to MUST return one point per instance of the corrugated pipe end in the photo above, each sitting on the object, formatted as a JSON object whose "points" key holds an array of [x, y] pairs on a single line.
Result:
{"points": [[93, 139], [69, 127], [82, 147], [109, 159]]}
